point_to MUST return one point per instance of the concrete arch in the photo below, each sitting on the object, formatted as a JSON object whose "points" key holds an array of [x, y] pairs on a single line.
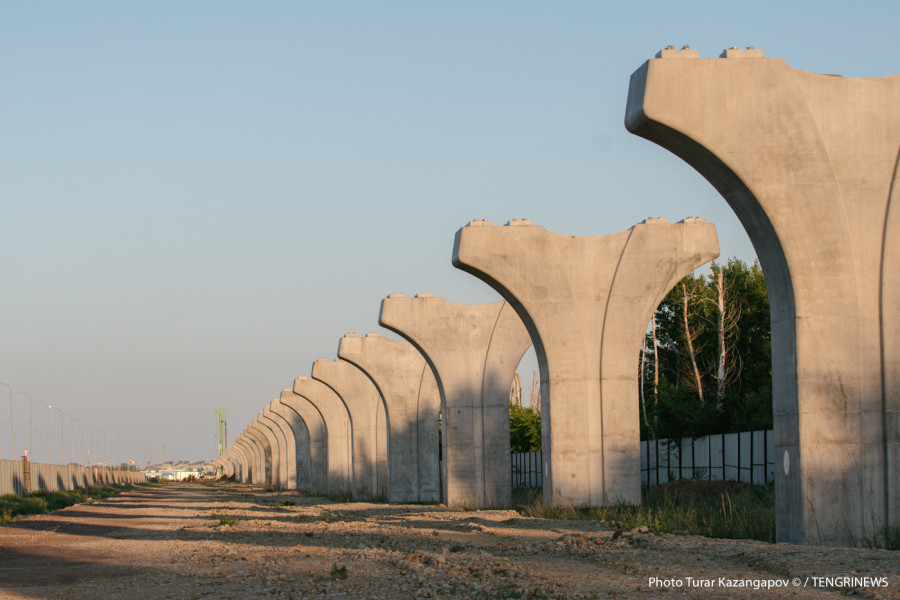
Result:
{"points": [[586, 301], [368, 427], [473, 351], [338, 434], [263, 437], [279, 449], [258, 470], [250, 460], [289, 459], [312, 444], [809, 164], [397, 370]]}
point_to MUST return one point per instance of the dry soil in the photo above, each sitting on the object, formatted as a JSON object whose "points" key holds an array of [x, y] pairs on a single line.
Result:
{"points": [[175, 541]]}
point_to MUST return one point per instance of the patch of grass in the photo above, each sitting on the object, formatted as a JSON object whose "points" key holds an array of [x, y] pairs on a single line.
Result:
{"points": [[456, 548], [42, 501], [886, 538], [718, 509], [226, 520], [339, 572], [286, 503]]}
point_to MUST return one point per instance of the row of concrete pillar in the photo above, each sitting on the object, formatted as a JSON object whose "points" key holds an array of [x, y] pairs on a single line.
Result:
{"points": [[367, 422], [810, 165]]}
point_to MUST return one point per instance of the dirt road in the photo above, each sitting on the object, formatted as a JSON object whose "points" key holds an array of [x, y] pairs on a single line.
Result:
{"points": [[175, 541]]}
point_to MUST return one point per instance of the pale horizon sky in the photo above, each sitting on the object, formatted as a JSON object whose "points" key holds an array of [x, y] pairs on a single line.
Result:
{"points": [[199, 199]]}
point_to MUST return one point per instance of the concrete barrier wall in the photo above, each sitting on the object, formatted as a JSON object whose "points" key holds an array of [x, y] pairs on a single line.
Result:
{"points": [[60, 477]]}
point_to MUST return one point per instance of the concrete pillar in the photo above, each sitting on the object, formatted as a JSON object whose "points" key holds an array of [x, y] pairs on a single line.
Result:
{"points": [[246, 461], [228, 463], [297, 441], [367, 422], [264, 475], [251, 458], [586, 302], [270, 450], [285, 436], [279, 448], [411, 398], [251, 450], [809, 163], [312, 456], [338, 434], [473, 351]]}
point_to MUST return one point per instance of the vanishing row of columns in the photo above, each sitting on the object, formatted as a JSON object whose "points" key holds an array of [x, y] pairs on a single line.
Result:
{"points": [[811, 166], [368, 421]]}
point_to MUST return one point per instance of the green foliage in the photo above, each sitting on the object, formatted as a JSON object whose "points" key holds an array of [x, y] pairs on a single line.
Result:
{"points": [[225, 520], [675, 409], [339, 572], [524, 429], [886, 537], [42, 501], [738, 511]]}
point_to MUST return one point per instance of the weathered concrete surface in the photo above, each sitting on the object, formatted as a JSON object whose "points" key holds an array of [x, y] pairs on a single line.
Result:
{"points": [[316, 451], [279, 448], [257, 466], [286, 436], [302, 450], [250, 468], [238, 458], [586, 302], [338, 433], [473, 351], [809, 163], [267, 459], [412, 401], [367, 423], [248, 457]]}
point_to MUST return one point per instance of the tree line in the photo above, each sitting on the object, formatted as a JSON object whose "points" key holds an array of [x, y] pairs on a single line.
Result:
{"points": [[705, 365]]}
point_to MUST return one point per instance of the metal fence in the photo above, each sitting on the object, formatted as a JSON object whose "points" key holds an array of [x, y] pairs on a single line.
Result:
{"points": [[527, 469], [748, 456], [18, 477]]}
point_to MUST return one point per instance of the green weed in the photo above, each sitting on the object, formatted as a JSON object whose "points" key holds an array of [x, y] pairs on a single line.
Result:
{"points": [[339, 572], [226, 520], [713, 509]]}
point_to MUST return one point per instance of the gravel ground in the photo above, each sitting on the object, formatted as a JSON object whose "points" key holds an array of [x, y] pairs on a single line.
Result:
{"points": [[175, 541]]}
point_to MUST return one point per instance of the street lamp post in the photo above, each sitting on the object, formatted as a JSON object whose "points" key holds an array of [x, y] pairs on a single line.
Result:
{"points": [[29, 416]]}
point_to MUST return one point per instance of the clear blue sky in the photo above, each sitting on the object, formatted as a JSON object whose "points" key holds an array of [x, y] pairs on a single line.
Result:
{"points": [[199, 198]]}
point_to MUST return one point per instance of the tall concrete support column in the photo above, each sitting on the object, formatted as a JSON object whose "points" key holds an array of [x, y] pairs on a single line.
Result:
{"points": [[238, 458], [473, 351], [279, 448], [286, 437], [270, 448], [312, 451], [586, 302], [267, 460], [412, 402], [367, 423], [256, 464], [298, 443], [250, 458], [338, 435], [809, 163], [229, 464]]}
